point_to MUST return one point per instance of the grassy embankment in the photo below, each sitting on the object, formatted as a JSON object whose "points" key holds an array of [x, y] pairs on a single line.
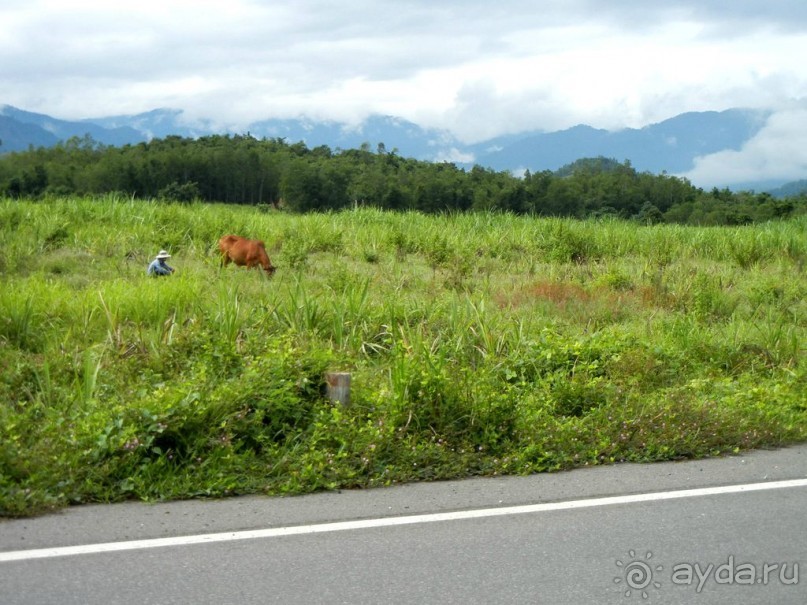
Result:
{"points": [[478, 344]]}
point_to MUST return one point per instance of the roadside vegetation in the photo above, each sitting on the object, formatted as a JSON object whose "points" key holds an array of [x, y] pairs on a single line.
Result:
{"points": [[479, 344]]}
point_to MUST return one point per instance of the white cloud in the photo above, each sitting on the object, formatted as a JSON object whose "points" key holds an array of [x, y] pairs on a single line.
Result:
{"points": [[477, 68], [777, 152]]}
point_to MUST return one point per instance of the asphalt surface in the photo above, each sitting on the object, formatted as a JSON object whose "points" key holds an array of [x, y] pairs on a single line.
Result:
{"points": [[708, 548]]}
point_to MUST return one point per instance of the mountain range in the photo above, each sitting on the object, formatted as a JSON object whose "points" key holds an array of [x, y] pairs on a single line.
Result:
{"points": [[671, 145]]}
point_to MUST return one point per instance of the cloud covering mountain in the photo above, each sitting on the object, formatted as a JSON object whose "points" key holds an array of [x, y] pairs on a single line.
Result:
{"points": [[737, 148], [478, 71]]}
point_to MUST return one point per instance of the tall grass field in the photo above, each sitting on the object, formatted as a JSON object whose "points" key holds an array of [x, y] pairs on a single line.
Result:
{"points": [[478, 344]]}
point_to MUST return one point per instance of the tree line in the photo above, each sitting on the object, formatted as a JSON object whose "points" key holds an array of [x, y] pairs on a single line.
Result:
{"points": [[241, 169]]}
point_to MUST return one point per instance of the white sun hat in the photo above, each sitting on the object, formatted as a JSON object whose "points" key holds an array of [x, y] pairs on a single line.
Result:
{"points": [[163, 254]]}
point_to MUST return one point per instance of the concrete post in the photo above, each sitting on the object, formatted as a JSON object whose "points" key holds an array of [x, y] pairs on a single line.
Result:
{"points": [[338, 387]]}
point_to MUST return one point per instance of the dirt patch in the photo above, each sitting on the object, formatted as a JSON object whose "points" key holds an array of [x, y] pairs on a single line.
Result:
{"points": [[574, 299], [559, 293]]}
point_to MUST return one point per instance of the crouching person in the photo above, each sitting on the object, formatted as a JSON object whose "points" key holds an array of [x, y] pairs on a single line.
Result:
{"points": [[158, 266]]}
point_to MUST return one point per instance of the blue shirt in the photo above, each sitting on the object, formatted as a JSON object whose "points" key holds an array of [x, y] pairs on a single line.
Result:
{"points": [[159, 267]]}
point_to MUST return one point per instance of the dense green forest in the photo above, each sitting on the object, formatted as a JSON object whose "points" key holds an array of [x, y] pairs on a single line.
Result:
{"points": [[244, 170]]}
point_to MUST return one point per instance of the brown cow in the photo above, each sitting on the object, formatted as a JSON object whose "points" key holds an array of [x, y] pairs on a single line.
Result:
{"points": [[244, 253]]}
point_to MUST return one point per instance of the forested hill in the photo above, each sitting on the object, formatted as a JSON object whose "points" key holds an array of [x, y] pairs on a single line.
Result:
{"points": [[244, 170]]}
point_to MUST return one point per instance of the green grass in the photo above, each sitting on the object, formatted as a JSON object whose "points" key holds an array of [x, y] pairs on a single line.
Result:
{"points": [[478, 344]]}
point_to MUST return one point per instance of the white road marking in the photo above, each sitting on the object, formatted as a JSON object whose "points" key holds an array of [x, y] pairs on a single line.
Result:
{"points": [[275, 532]]}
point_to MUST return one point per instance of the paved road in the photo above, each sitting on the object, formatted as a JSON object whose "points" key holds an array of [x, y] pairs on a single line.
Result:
{"points": [[585, 536]]}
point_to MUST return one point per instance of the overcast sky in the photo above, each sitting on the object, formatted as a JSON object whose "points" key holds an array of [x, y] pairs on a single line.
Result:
{"points": [[478, 69]]}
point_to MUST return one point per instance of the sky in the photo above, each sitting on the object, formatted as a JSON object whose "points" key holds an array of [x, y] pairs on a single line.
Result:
{"points": [[476, 68]]}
